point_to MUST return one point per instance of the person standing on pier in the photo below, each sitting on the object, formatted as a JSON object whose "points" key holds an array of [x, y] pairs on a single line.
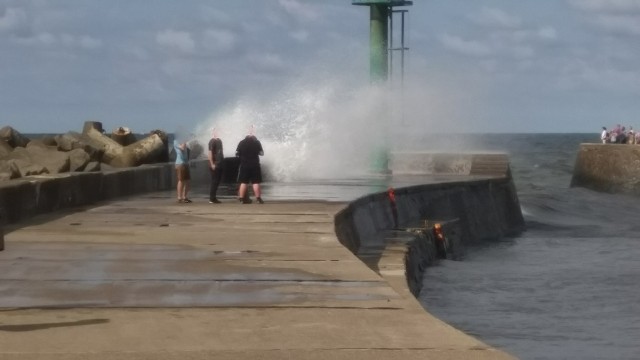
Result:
{"points": [[182, 170], [216, 157], [249, 151]]}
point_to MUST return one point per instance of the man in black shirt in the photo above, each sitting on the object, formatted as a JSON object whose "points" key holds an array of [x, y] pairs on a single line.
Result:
{"points": [[249, 151], [216, 157]]}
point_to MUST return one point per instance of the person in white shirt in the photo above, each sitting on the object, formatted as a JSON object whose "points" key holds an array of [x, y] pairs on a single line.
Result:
{"points": [[604, 136]]}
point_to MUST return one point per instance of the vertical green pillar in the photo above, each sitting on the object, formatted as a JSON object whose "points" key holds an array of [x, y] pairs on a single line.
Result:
{"points": [[378, 42], [380, 10], [379, 69]]}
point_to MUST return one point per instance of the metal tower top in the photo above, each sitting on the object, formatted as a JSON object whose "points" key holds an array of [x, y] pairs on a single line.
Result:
{"points": [[382, 2]]}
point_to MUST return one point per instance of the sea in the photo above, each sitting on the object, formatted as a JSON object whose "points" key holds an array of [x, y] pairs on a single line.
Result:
{"points": [[566, 288]]}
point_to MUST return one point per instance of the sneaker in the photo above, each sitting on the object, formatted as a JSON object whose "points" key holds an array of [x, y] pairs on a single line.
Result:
{"points": [[187, 201], [214, 201], [245, 201], [180, 201], [260, 201]]}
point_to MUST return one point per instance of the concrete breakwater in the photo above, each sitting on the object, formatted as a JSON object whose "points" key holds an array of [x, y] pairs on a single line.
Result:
{"points": [[472, 211], [272, 270], [26, 197], [611, 168]]}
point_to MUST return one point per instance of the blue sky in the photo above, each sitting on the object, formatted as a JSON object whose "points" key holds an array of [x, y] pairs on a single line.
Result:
{"points": [[478, 66]]}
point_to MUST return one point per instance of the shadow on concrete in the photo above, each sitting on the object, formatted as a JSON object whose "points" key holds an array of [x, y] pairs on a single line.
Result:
{"points": [[44, 326], [54, 215]]}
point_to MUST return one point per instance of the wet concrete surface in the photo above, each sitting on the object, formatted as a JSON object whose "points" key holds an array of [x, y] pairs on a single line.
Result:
{"points": [[145, 277]]}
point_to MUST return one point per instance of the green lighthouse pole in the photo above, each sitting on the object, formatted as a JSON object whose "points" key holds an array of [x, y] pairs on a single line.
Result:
{"points": [[379, 43], [380, 13]]}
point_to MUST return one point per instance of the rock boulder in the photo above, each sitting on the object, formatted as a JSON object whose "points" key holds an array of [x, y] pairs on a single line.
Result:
{"points": [[13, 137]]}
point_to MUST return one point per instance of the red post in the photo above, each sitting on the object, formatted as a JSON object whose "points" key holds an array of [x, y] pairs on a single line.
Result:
{"points": [[394, 209]]}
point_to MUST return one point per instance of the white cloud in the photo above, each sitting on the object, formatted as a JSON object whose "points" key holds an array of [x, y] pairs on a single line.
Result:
{"points": [[12, 18], [267, 61], [63, 40], [219, 41], [523, 52], [493, 17], [177, 68], [611, 79], [607, 6], [137, 52], [614, 16], [621, 24], [296, 9], [216, 16], [176, 40], [300, 35], [547, 33], [85, 42], [465, 47], [88, 42]]}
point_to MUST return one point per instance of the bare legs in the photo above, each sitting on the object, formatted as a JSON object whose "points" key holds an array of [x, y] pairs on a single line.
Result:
{"points": [[242, 193], [183, 189], [180, 190]]}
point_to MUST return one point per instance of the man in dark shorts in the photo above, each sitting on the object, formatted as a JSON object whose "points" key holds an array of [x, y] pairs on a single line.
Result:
{"points": [[249, 151], [215, 155]]}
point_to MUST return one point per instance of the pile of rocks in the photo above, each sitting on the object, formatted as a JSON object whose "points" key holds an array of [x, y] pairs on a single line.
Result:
{"points": [[90, 150]]}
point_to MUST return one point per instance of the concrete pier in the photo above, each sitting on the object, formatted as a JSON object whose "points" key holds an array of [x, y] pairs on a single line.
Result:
{"points": [[610, 168], [149, 279], [143, 277]]}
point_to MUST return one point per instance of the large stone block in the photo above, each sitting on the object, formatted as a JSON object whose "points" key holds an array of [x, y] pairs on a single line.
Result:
{"points": [[5, 149], [8, 170], [78, 159], [73, 140], [55, 161], [145, 151], [27, 168], [13, 137], [612, 168]]}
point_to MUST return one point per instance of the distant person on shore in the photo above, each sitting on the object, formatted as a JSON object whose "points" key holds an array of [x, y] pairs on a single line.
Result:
{"points": [[249, 151], [604, 136], [616, 134], [216, 157], [631, 136], [182, 170], [622, 136]]}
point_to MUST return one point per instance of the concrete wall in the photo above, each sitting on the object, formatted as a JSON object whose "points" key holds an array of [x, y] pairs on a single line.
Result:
{"points": [[438, 163], [23, 198], [480, 209], [612, 168]]}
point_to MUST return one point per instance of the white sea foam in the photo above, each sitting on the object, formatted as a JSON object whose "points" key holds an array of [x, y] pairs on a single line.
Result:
{"points": [[326, 131]]}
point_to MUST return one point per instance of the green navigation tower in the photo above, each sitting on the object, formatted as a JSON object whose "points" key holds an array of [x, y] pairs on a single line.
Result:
{"points": [[380, 39], [381, 11]]}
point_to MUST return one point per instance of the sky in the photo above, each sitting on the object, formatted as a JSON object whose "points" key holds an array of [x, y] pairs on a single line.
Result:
{"points": [[472, 66]]}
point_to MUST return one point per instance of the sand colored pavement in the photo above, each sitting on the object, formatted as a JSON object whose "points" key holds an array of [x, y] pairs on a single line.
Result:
{"points": [[147, 278]]}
